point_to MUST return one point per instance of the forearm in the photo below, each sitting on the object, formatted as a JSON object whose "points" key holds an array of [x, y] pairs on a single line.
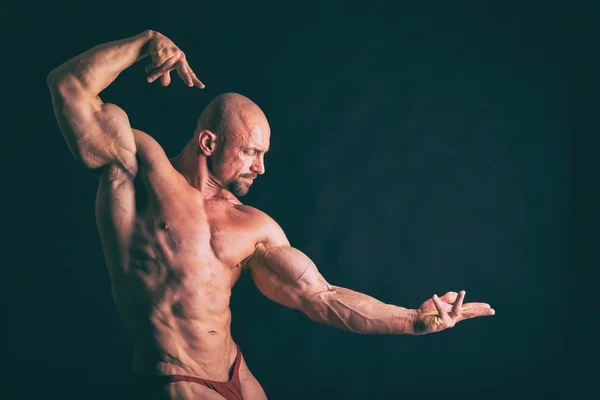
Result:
{"points": [[359, 313], [95, 69]]}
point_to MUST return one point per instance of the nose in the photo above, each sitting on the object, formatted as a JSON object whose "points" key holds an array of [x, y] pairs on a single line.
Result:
{"points": [[258, 167]]}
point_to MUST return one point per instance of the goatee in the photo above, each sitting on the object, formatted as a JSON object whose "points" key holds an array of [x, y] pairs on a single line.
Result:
{"points": [[238, 189]]}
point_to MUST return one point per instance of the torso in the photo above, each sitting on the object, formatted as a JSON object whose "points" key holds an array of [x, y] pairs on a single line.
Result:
{"points": [[173, 258]]}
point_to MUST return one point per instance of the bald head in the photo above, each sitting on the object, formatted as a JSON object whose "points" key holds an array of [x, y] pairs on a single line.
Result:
{"points": [[229, 115], [234, 135]]}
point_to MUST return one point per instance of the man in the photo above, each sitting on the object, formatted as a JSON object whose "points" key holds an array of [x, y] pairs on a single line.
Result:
{"points": [[176, 238]]}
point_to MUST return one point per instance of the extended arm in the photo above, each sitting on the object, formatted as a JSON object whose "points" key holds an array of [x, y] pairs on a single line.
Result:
{"points": [[287, 276]]}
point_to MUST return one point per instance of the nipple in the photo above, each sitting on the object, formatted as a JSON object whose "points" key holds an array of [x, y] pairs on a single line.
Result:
{"points": [[165, 227]]}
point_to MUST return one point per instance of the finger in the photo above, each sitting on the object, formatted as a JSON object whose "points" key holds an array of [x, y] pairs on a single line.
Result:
{"points": [[184, 75], [440, 308], [153, 65], [458, 304], [188, 74], [472, 310], [157, 63], [164, 68], [467, 306], [165, 79], [193, 78], [162, 56], [197, 81], [449, 297]]}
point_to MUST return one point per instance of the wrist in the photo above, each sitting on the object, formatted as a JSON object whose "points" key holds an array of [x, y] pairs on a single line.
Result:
{"points": [[147, 36], [409, 323]]}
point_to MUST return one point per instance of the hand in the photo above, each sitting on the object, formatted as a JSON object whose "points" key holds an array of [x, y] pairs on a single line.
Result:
{"points": [[167, 57], [439, 313]]}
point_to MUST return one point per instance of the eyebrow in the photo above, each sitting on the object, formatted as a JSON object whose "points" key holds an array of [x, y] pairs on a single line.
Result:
{"points": [[258, 150]]}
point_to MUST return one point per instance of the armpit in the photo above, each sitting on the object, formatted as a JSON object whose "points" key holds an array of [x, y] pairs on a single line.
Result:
{"points": [[256, 257]]}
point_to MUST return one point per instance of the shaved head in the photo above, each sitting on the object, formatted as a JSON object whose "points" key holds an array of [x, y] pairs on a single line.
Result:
{"points": [[229, 114], [234, 135]]}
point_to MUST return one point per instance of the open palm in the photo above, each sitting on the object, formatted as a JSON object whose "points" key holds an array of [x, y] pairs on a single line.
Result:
{"points": [[439, 313]]}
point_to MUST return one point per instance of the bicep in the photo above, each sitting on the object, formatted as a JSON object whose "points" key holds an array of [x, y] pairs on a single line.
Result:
{"points": [[97, 133], [287, 276]]}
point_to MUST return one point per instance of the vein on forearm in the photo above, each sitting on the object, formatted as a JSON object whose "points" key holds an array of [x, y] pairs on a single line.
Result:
{"points": [[359, 313]]}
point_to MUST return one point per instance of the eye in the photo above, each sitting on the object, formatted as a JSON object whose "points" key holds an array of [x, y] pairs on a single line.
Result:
{"points": [[250, 152]]}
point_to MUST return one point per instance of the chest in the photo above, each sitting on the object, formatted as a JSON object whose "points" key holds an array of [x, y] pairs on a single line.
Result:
{"points": [[177, 224]]}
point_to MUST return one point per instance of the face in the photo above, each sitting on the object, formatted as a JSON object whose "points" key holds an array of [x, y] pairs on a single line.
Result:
{"points": [[241, 158]]}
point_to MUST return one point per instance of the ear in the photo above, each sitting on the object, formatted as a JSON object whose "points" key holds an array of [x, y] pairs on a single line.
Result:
{"points": [[207, 141]]}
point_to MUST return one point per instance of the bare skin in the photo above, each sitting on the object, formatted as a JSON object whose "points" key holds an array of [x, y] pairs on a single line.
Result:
{"points": [[176, 238]]}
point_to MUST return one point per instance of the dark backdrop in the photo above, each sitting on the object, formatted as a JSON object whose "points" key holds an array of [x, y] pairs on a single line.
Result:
{"points": [[417, 147]]}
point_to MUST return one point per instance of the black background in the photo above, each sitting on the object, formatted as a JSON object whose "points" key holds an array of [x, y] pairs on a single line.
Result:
{"points": [[417, 147]]}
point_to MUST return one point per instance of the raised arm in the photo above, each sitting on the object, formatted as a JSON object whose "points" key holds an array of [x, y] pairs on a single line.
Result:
{"points": [[288, 277], [97, 133]]}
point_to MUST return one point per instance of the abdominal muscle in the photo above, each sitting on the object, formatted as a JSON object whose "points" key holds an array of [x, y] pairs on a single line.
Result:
{"points": [[179, 325]]}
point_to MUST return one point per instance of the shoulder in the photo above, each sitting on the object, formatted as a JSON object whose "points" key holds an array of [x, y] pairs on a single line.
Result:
{"points": [[149, 151], [144, 141], [268, 233]]}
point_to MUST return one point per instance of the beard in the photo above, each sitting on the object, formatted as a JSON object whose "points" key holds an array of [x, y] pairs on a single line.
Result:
{"points": [[239, 188]]}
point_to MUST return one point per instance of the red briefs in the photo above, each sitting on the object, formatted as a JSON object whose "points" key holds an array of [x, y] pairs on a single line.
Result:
{"points": [[231, 390]]}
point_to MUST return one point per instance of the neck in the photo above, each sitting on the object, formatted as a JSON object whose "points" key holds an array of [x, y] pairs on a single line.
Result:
{"points": [[194, 168]]}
